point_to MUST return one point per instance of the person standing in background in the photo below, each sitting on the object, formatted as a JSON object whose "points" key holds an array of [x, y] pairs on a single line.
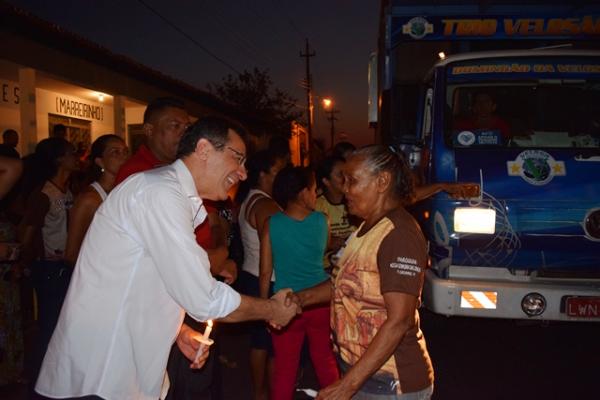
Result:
{"points": [[10, 140], [257, 206], [43, 233], [293, 243], [108, 154], [331, 203]]}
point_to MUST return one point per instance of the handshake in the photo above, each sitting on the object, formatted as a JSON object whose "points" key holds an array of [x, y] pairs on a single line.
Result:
{"points": [[285, 305]]}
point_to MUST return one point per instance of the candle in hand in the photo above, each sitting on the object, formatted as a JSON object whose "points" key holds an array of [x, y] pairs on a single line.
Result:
{"points": [[209, 325]]}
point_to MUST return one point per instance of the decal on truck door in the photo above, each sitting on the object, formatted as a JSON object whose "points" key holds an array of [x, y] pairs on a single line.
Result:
{"points": [[536, 167]]}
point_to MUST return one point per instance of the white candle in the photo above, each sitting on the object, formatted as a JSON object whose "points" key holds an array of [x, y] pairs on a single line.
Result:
{"points": [[209, 325]]}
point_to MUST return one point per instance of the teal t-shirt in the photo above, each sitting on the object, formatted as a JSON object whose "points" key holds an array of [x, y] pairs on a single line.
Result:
{"points": [[298, 248]]}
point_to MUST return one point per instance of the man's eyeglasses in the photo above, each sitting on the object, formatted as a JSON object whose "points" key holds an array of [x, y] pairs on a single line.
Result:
{"points": [[239, 156]]}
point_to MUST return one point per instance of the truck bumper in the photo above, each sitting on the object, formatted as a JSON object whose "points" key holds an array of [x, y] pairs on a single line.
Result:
{"points": [[496, 293]]}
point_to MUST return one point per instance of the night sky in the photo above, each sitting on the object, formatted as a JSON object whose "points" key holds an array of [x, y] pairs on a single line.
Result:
{"points": [[244, 34]]}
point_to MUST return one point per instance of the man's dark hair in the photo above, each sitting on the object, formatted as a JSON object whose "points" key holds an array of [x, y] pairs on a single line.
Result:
{"points": [[159, 104], [213, 129], [7, 133], [59, 131]]}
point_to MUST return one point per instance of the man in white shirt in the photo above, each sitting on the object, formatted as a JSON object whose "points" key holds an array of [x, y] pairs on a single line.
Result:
{"points": [[140, 269]]}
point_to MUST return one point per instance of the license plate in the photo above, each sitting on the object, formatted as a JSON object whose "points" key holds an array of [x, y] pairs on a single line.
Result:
{"points": [[585, 307]]}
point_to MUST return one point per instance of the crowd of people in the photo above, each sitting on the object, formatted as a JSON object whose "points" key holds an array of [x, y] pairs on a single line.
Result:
{"points": [[120, 272]]}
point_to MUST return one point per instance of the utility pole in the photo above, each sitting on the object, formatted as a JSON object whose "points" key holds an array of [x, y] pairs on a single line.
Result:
{"points": [[328, 105], [332, 111], [309, 110]]}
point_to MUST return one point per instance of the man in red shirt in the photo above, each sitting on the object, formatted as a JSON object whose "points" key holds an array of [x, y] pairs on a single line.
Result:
{"points": [[484, 117], [165, 121]]}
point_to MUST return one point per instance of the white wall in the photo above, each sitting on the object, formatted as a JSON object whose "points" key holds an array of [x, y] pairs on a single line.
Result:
{"points": [[134, 115], [48, 102]]}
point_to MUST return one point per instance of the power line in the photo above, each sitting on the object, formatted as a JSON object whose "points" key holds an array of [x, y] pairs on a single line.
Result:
{"points": [[190, 38], [289, 20], [238, 39]]}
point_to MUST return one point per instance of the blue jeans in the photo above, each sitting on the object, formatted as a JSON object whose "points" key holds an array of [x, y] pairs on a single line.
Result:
{"points": [[424, 394], [382, 388]]}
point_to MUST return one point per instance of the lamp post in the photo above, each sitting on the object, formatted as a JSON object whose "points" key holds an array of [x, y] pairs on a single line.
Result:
{"points": [[328, 106]]}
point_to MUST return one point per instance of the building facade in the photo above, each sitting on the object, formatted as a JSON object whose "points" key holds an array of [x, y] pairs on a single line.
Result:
{"points": [[49, 77]]}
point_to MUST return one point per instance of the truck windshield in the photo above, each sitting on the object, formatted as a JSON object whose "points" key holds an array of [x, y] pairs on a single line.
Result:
{"points": [[552, 113]]}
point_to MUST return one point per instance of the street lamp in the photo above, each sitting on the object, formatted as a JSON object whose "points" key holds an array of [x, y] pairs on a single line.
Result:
{"points": [[328, 106]]}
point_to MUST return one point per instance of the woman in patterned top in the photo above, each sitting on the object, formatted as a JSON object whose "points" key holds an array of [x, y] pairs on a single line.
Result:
{"points": [[376, 295]]}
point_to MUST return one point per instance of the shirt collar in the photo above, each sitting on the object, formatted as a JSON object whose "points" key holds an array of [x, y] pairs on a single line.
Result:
{"points": [[184, 176], [148, 156]]}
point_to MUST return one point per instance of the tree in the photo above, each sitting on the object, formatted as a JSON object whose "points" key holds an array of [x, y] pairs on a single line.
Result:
{"points": [[253, 93]]}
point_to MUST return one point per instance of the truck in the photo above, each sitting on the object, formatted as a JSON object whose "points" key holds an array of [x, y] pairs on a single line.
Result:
{"points": [[506, 95]]}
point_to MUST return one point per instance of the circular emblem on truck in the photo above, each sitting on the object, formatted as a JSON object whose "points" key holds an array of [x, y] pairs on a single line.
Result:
{"points": [[417, 28], [536, 166], [465, 138]]}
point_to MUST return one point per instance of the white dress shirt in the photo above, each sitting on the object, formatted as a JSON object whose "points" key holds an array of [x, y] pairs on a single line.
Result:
{"points": [[138, 270]]}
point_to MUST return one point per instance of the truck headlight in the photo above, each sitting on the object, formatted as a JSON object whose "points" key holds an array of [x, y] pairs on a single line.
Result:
{"points": [[475, 220]]}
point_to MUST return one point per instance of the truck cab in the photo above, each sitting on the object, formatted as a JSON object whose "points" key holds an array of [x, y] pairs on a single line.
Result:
{"points": [[523, 121], [525, 125]]}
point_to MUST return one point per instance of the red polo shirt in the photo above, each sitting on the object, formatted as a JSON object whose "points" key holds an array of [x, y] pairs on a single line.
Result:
{"points": [[144, 160]]}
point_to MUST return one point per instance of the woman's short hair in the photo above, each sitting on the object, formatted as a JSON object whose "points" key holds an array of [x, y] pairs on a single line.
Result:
{"points": [[381, 158], [289, 182]]}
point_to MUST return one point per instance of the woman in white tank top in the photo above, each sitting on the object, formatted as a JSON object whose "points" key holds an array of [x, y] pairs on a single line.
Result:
{"points": [[256, 208], [107, 155]]}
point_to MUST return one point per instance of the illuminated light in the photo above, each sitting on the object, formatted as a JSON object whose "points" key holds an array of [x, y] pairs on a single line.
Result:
{"points": [[426, 214], [442, 55], [100, 97], [475, 220], [209, 325], [533, 304], [478, 299], [327, 102]]}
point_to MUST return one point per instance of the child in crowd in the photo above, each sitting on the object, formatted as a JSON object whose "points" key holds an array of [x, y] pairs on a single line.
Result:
{"points": [[293, 244]]}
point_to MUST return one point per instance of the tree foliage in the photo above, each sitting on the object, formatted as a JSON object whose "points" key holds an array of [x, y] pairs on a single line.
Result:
{"points": [[253, 93]]}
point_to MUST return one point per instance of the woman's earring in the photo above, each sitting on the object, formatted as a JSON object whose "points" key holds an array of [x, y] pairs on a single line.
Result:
{"points": [[102, 170]]}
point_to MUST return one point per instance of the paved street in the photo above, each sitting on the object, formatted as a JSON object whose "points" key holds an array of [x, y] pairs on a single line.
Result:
{"points": [[473, 359], [487, 359]]}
